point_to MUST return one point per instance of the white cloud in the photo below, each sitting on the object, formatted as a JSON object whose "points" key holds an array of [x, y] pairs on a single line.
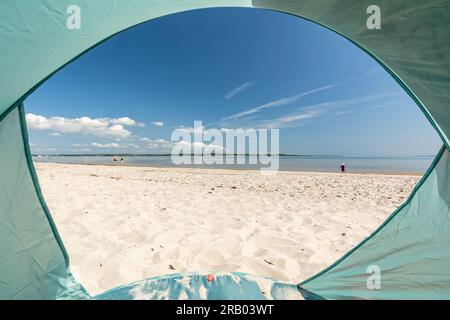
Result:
{"points": [[158, 123], [158, 144], [192, 144], [106, 145], [191, 130], [99, 127], [126, 121], [239, 89], [80, 150], [45, 149], [54, 134]]}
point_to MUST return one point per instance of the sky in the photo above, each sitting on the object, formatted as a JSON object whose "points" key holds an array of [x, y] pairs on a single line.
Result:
{"points": [[229, 68]]}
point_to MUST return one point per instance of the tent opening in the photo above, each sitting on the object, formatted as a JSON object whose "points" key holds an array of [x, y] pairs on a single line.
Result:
{"points": [[100, 134]]}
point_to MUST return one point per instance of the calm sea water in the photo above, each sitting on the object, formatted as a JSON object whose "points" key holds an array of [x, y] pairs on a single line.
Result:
{"points": [[417, 164]]}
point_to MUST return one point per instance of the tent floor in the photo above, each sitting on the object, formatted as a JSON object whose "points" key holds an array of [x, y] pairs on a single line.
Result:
{"points": [[195, 286]]}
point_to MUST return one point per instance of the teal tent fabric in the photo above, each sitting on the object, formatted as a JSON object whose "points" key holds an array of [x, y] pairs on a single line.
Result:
{"points": [[33, 263], [412, 45]]}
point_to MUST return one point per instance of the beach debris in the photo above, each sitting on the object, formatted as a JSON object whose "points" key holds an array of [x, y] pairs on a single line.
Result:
{"points": [[115, 178], [163, 209], [210, 277], [268, 262], [233, 187], [343, 234], [171, 267]]}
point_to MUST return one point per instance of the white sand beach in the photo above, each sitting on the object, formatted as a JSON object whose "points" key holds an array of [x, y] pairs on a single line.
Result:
{"points": [[121, 223]]}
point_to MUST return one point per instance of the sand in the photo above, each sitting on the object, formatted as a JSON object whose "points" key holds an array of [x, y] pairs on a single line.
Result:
{"points": [[121, 224]]}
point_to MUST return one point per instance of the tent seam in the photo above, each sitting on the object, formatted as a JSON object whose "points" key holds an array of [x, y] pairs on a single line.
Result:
{"points": [[36, 185]]}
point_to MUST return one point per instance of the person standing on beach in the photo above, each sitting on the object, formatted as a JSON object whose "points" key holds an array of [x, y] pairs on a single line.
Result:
{"points": [[342, 168]]}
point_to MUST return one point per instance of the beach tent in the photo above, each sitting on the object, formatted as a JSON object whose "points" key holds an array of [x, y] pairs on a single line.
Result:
{"points": [[408, 256]]}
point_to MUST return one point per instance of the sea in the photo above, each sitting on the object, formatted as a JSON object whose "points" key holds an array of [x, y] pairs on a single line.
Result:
{"points": [[309, 163]]}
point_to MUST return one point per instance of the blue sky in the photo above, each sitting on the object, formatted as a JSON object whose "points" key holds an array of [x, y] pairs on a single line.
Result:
{"points": [[230, 68]]}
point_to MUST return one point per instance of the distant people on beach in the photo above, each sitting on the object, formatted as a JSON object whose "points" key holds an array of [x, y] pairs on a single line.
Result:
{"points": [[117, 159], [342, 168]]}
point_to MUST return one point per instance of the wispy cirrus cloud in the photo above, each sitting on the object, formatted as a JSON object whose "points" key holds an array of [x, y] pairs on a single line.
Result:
{"points": [[290, 99], [296, 117], [311, 112], [239, 89], [277, 103], [341, 113], [99, 127]]}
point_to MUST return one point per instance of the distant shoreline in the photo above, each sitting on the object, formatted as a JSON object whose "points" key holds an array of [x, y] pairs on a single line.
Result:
{"points": [[218, 167], [329, 156]]}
